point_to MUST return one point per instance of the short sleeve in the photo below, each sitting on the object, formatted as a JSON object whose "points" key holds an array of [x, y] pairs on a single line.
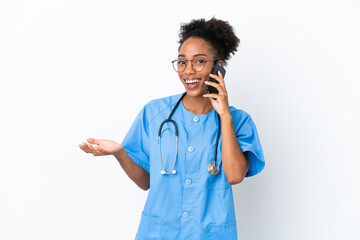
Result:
{"points": [[248, 139], [136, 142]]}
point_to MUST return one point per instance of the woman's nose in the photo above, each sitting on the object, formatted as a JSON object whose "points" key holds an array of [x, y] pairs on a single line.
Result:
{"points": [[189, 68]]}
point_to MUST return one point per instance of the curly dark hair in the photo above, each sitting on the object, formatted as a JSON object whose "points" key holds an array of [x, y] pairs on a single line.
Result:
{"points": [[218, 33]]}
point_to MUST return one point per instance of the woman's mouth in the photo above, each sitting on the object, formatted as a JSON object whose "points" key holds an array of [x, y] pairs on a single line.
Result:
{"points": [[192, 83]]}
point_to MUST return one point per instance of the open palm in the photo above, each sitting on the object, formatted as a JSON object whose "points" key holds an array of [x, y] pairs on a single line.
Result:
{"points": [[102, 147]]}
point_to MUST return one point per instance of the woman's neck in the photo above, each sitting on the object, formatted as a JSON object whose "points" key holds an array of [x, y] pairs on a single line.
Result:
{"points": [[197, 105]]}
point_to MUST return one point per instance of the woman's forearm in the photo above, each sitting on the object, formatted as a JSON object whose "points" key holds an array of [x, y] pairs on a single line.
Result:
{"points": [[136, 173], [234, 161]]}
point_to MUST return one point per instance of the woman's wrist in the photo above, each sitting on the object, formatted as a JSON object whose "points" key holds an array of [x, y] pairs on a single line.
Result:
{"points": [[226, 115], [120, 153]]}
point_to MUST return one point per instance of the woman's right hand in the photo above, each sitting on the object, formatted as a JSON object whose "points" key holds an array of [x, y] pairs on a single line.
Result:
{"points": [[102, 147]]}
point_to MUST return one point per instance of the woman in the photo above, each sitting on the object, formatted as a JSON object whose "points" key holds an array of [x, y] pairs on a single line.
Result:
{"points": [[190, 176]]}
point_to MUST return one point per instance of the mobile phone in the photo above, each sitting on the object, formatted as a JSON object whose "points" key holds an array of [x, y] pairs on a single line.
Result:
{"points": [[217, 67]]}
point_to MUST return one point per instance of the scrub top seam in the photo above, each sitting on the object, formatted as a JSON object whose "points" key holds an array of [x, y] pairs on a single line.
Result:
{"points": [[160, 111]]}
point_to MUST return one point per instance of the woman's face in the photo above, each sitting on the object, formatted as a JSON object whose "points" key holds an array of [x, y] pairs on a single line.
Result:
{"points": [[194, 81]]}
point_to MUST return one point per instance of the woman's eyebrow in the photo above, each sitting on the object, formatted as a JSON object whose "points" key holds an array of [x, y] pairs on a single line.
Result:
{"points": [[196, 55]]}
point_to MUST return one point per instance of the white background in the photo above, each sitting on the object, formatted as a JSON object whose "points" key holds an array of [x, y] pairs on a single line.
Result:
{"points": [[74, 69]]}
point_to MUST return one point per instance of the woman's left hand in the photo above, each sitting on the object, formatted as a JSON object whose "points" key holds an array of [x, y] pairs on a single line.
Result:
{"points": [[221, 104]]}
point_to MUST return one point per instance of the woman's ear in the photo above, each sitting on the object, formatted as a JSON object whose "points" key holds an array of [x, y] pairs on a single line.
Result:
{"points": [[221, 62]]}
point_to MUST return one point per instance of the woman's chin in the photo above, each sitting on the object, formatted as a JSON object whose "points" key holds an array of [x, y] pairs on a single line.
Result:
{"points": [[195, 92]]}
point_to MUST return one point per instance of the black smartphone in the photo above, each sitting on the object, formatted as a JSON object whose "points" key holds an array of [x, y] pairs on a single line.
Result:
{"points": [[217, 67]]}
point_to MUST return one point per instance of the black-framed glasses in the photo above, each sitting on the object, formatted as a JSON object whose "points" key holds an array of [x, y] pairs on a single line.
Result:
{"points": [[197, 64]]}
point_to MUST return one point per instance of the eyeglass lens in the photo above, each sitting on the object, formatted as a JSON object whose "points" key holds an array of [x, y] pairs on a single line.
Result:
{"points": [[198, 64]]}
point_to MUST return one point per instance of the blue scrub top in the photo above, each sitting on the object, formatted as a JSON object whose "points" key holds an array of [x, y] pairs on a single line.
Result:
{"points": [[191, 204]]}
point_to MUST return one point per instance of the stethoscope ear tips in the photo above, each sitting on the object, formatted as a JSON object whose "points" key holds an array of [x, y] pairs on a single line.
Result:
{"points": [[163, 172]]}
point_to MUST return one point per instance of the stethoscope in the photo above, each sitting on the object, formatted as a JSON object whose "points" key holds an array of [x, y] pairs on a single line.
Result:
{"points": [[211, 167]]}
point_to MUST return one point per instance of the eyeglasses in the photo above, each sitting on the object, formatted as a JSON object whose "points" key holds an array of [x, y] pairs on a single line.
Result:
{"points": [[197, 64]]}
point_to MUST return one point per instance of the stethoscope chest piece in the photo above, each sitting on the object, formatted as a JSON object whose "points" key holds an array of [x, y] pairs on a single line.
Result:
{"points": [[212, 168]]}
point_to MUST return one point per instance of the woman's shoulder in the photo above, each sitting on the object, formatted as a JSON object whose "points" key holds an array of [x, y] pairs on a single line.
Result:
{"points": [[237, 112], [158, 105], [240, 116]]}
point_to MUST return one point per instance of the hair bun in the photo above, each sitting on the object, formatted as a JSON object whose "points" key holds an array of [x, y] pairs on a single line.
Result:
{"points": [[218, 33]]}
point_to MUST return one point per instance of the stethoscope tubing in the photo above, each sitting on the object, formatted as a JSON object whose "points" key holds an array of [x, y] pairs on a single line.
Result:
{"points": [[172, 171]]}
